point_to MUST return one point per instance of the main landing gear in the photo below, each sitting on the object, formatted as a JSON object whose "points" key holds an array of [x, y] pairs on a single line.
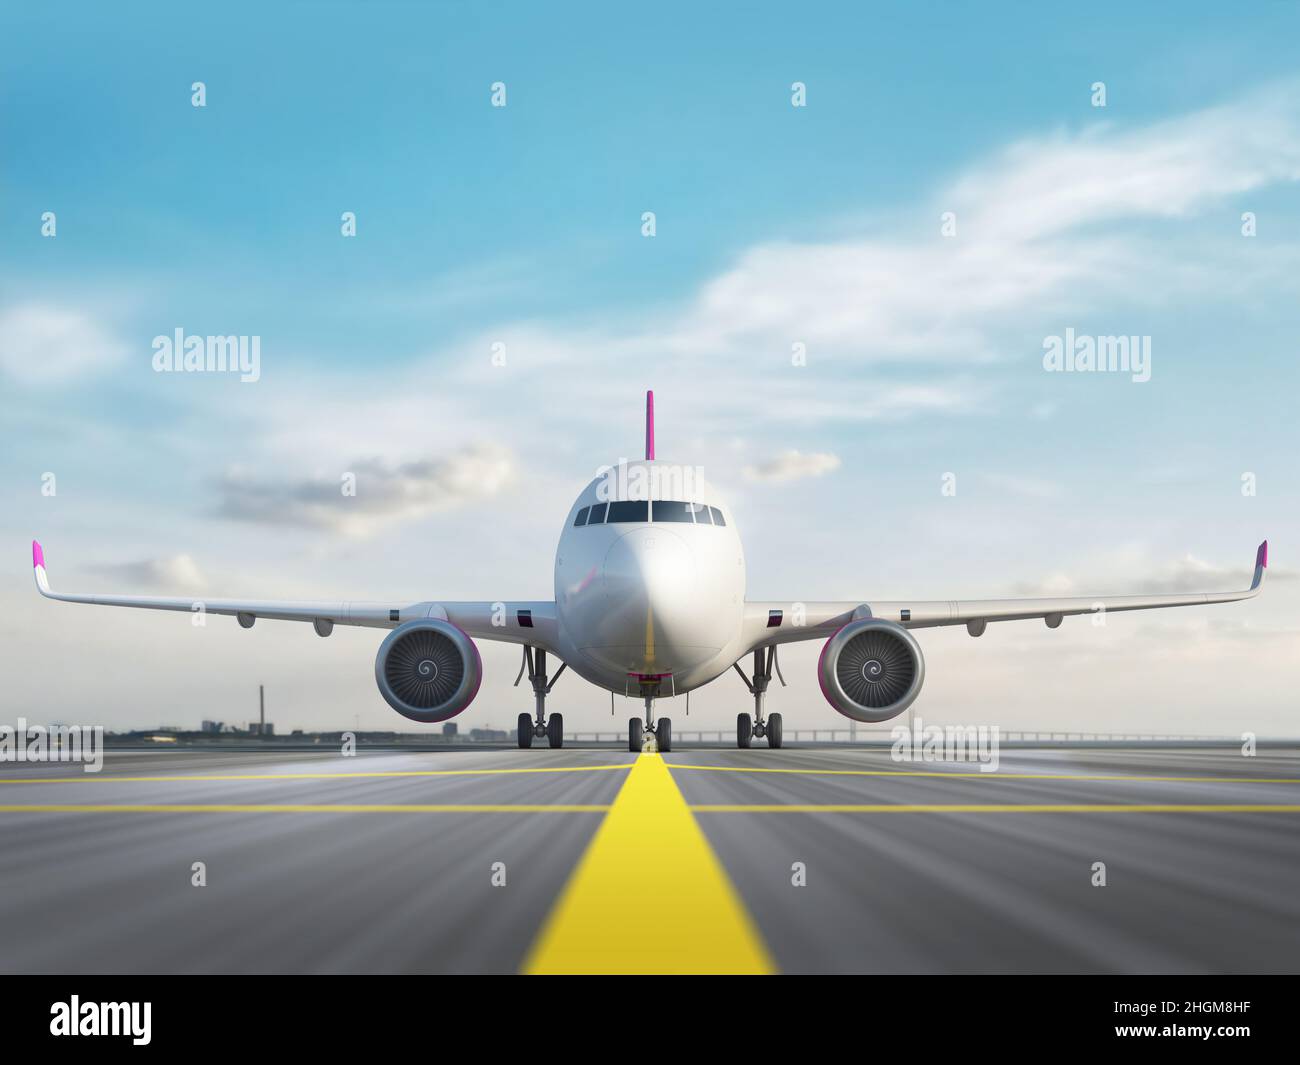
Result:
{"points": [[748, 728], [553, 727], [662, 729]]}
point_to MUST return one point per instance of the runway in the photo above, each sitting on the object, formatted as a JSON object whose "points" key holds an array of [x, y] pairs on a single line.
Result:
{"points": [[821, 859]]}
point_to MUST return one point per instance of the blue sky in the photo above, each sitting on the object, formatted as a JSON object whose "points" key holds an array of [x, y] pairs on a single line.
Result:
{"points": [[775, 225]]}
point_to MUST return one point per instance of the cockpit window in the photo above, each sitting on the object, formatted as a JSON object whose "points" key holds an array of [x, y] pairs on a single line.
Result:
{"points": [[672, 510], [633, 510], [629, 510]]}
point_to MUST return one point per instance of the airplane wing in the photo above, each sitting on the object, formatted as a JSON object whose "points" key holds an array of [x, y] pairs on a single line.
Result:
{"points": [[774, 623], [508, 622]]}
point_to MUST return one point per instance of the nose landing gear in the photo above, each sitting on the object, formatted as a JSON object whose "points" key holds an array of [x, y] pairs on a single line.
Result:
{"points": [[660, 732], [748, 728], [551, 728]]}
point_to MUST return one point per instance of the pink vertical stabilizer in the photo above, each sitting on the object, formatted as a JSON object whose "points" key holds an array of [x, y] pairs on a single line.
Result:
{"points": [[650, 425]]}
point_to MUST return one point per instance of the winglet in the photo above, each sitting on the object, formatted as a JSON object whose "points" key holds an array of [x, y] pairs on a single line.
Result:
{"points": [[1261, 564], [38, 568], [650, 425]]}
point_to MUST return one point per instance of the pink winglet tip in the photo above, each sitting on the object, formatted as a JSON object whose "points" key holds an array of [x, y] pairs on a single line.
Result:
{"points": [[1261, 556], [38, 556], [650, 425]]}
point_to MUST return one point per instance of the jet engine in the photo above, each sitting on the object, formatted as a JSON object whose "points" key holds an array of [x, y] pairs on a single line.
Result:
{"points": [[428, 670], [871, 670]]}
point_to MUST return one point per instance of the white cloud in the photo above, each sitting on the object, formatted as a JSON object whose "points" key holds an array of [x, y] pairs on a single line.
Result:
{"points": [[177, 572], [1136, 573], [384, 492], [792, 466], [1033, 233], [1046, 186], [44, 343], [1192, 574]]}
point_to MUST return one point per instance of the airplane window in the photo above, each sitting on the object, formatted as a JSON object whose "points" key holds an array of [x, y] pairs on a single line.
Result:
{"points": [[701, 514], [671, 510], [597, 515], [717, 516], [629, 510], [581, 519]]}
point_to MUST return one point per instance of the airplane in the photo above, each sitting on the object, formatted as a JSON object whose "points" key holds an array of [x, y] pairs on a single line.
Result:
{"points": [[650, 602]]}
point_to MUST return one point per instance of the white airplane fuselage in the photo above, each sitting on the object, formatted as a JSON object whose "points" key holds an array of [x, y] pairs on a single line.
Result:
{"points": [[651, 598]]}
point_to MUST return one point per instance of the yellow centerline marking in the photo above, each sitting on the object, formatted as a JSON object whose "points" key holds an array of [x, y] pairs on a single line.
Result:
{"points": [[997, 808], [649, 895], [304, 808], [95, 778], [985, 776]]}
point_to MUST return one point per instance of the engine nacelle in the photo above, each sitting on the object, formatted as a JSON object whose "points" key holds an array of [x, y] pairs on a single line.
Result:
{"points": [[428, 670], [871, 670]]}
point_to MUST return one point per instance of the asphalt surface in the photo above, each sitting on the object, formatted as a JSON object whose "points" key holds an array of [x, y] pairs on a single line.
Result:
{"points": [[394, 882]]}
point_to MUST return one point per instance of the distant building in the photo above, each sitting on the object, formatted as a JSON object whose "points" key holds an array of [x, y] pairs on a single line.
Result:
{"points": [[261, 728], [211, 726], [450, 728], [485, 735]]}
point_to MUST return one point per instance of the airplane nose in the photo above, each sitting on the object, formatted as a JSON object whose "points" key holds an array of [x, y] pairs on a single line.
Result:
{"points": [[651, 611], [650, 569]]}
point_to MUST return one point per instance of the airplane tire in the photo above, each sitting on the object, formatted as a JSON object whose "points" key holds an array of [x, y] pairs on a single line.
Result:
{"points": [[664, 734], [744, 730], [525, 731], [774, 730], [555, 731], [634, 733]]}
